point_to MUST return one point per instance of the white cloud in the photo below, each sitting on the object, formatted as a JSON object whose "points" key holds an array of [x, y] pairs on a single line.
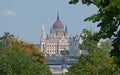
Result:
{"points": [[7, 12]]}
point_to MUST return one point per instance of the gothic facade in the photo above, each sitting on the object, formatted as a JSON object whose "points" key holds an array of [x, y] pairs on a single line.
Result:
{"points": [[57, 40]]}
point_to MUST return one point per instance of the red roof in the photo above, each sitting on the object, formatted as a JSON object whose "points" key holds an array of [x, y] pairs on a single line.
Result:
{"points": [[58, 25]]}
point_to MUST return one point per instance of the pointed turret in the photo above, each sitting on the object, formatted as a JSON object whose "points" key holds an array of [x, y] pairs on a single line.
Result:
{"points": [[43, 38], [66, 31], [57, 16], [43, 34]]}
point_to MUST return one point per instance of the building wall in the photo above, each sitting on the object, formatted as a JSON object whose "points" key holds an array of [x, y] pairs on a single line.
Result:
{"points": [[74, 45], [57, 41], [54, 48]]}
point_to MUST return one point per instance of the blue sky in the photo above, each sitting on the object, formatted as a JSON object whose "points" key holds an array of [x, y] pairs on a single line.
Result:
{"points": [[24, 18]]}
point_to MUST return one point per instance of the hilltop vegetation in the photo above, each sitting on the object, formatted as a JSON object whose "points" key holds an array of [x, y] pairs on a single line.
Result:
{"points": [[18, 57], [98, 61], [108, 19]]}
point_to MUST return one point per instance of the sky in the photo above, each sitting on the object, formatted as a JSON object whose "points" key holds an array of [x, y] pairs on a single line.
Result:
{"points": [[24, 18]]}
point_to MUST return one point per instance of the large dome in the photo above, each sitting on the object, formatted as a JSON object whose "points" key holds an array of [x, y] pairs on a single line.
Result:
{"points": [[58, 25]]}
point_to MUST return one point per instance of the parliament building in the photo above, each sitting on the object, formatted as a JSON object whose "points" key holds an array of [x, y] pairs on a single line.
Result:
{"points": [[56, 41]]}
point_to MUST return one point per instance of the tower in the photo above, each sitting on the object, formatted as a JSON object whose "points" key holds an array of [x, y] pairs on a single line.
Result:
{"points": [[66, 32], [43, 38], [57, 16], [57, 40]]}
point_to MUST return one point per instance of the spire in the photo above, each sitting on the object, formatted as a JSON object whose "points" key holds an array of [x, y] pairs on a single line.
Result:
{"points": [[43, 34], [66, 29], [43, 38], [57, 16]]}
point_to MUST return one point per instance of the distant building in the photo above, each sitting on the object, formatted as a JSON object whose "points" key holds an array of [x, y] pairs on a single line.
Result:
{"points": [[57, 40], [74, 45], [102, 41], [105, 44]]}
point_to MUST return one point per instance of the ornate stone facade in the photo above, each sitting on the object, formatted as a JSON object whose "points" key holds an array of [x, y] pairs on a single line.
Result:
{"points": [[57, 41]]}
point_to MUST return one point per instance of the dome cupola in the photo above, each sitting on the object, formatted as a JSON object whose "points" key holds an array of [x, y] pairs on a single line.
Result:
{"points": [[58, 24]]}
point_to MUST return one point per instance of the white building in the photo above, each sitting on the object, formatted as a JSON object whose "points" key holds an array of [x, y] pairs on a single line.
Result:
{"points": [[57, 41]]}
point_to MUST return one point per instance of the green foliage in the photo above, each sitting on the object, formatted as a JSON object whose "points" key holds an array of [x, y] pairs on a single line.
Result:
{"points": [[65, 52], [83, 1], [21, 58], [97, 62], [73, 1], [4, 41], [108, 18]]}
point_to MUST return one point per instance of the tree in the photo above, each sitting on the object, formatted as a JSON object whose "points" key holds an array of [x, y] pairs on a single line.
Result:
{"points": [[105, 44], [64, 52], [108, 18], [21, 58], [4, 41], [97, 62]]}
